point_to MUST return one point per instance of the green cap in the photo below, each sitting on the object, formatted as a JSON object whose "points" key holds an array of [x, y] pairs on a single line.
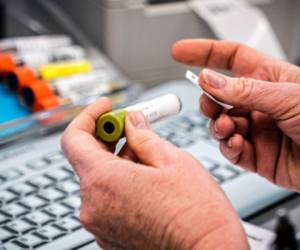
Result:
{"points": [[110, 126]]}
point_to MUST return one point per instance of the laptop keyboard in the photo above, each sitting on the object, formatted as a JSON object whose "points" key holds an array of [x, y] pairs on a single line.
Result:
{"points": [[190, 128], [41, 209]]}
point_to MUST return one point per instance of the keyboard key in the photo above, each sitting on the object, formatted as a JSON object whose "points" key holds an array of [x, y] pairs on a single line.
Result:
{"points": [[3, 218], [52, 194], [22, 189], [57, 210], [29, 240], [41, 182], [209, 164], [2, 180], [5, 235], [38, 218], [69, 186], [11, 174], [182, 142], [72, 202], [37, 164], [50, 232], [55, 157], [225, 173], [10, 246], [14, 210], [218, 178], [58, 174], [69, 224], [6, 196], [33, 202], [19, 226]]}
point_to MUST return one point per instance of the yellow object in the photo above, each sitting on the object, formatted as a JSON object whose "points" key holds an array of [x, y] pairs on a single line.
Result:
{"points": [[56, 70], [110, 126]]}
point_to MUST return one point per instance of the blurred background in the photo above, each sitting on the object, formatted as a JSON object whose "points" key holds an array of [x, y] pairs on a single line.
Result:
{"points": [[137, 34], [58, 56]]}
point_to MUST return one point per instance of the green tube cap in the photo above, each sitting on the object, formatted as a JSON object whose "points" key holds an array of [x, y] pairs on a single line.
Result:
{"points": [[110, 126]]}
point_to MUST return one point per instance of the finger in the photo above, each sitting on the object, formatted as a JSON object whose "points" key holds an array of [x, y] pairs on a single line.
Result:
{"points": [[108, 245], [242, 60], [79, 144], [247, 159], [224, 126], [277, 100], [232, 148], [209, 108], [241, 125], [147, 146], [127, 154], [86, 120]]}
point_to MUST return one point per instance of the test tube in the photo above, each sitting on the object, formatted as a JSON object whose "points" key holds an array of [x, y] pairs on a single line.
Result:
{"points": [[45, 42], [110, 126], [35, 59], [37, 95], [24, 76]]}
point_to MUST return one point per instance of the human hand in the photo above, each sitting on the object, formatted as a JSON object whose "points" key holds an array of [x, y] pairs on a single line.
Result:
{"points": [[262, 132], [152, 195]]}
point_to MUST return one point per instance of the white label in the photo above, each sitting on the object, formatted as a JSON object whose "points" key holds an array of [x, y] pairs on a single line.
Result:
{"points": [[195, 80], [158, 108]]}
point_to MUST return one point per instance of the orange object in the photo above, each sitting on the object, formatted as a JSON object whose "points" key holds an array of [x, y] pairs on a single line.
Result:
{"points": [[34, 94], [7, 63], [46, 103], [21, 77]]}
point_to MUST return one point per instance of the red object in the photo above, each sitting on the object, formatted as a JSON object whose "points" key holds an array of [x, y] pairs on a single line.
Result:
{"points": [[33, 96], [47, 103], [7, 63], [20, 78]]}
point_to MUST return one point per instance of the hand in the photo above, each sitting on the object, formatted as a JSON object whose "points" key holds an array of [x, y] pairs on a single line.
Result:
{"points": [[152, 195], [262, 133]]}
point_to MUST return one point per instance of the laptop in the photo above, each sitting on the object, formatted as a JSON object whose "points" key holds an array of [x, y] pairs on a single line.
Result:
{"points": [[39, 192]]}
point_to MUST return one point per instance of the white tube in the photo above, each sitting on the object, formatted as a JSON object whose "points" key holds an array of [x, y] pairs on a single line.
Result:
{"points": [[37, 58], [35, 42], [159, 108]]}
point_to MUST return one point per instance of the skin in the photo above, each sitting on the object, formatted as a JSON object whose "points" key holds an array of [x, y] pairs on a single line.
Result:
{"points": [[145, 198], [262, 132], [142, 199]]}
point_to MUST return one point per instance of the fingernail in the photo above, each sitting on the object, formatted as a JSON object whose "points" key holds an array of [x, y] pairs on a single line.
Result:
{"points": [[138, 120], [216, 126], [229, 143], [214, 79]]}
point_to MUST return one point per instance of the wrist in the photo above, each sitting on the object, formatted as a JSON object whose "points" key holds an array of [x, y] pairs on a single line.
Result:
{"points": [[197, 230]]}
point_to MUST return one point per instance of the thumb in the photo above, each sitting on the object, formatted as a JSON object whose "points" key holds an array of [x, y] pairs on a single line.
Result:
{"points": [[148, 146], [274, 99]]}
